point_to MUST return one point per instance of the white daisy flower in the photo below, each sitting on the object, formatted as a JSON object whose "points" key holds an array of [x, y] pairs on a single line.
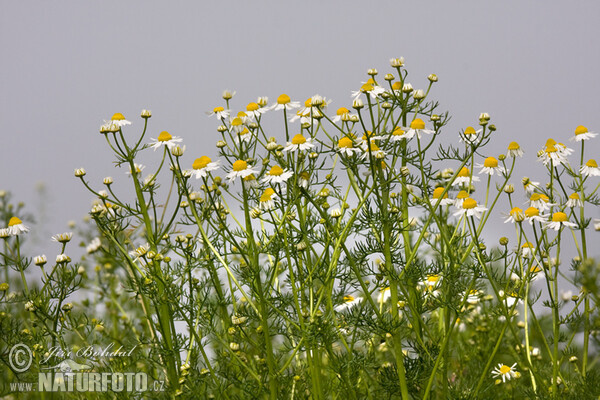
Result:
{"points": [[399, 134], [582, 133], [437, 193], [369, 137], [119, 120], [515, 215], [346, 147], [339, 113], [61, 258], [529, 186], [460, 198], [554, 152], [417, 127], [470, 209], [62, 237], [559, 220], [304, 180], [369, 87], [165, 139], [470, 135], [244, 135], [527, 250], [597, 224], [254, 110], [397, 62], [473, 297], [267, 199], [533, 214], [299, 142], [374, 150], [202, 166], [284, 101], [220, 112], [240, 169], [250, 182], [511, 299], [574, 201], [40, 260], [490, 167], [430, 285], [590, 169], [16, 227], [93, 246], [228, 94], [138, 169], [464, 177], [514, 150], [534, 273], [540, 201], [505, 372], [277, 175], [384, 295], [349, 302]]}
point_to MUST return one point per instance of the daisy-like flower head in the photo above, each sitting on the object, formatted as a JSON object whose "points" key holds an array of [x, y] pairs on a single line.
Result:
{"points": [[63, 237], [514, 150], [470, 135], [370, 88], [374, 150], [240, 169], [165, 139], [397, 62], [540, 201], [93, 246], [349, 302], [460, 198], [582, 133], [16, 227], [437, 193], [470, 209], [554, 152], [250, 181], [473, 297], [529, 186], [384, 295], [533, 214], [398, 134], [590, 168], [304, 179], [505, 372], [267, 199], [515, 215], [464, 177], [417, 127], [40, 260], [369, 136], [299, 142], [430, 284], [202, 166], [284, 102], [511, 299], [559, 220], [346, 146], [220, 112], [237, 125], [119, 120], [534, 273], [277, 175], [527, 250], [574, 201], [490, 166], [255, 110], [339, 113]]}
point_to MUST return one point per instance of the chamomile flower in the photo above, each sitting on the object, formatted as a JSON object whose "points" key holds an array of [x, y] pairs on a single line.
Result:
{"points": [[304, 179], [250, 181], [529, 186], [299, 142], [460, 198], [582, 133], [374, 150], [384, 295], [339, 113], [267, 199], [254, 110], [165, 139], [430, 285], [534, 273], [398, 134], [590, 169], [137, 167], [597, 224], [369, 137], [527, 250], [540, 201], [369, 88], [464, 177], [574, 201], [243, 135], [237, 125], [284, 102], [490, 167], [515, 215], [554, 152], [514, 150], [470, 209], [202, 166], [437, 193], [119, 120], [93, 246], [346, 147], [349, 302], [470, 135], [473, 297], [533, 214], [511, 299], [559, 220], [240, 169], [277, 175], [220, 112], [62, 237], [16, 227], [505, 372], [417, 127]]}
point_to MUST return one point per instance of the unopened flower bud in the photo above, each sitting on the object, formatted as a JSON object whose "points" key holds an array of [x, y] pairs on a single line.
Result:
{"points": [[501, 157], [40, 260], [419, 94], [503, 241], [372, 72], [228, 94], [357, 104], [435, 118], [492, 128], [79, 172], [221, 128], [397, 62], [108, 181], [177, 150], [509, 189], [405, 171], [388, 77], [146, 114], [386, 106], [432, 78], [407, 88], [221, 144]]}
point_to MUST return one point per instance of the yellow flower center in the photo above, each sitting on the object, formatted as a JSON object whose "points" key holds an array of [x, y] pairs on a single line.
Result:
{"points": [[551, 149], [374, 147], [397, 85], [201, 162], [580, 130], [267, 195], [250, 177], [218, 109], [117, 117], [14, 221], [462, 194], [308, 102], [342, 111], [244, 131], [559, 217], [283, 99], [252, 107], [591, 163], [371, 81], [527, 245], [539, 196], [515, 211], [367, 87], [438, 192], [276, 171], [504, 369], [470, 131], [398, 132], [550, 142], [345, 142], [433, 278], [164, 136], [240, 165], [298, 139], [463, 173], [304, 175], [348, 298], [237, 121], [532, 212], [417, 124], [469, 203], [574, 196], [490, 162], [535, 269], [514, 146]]}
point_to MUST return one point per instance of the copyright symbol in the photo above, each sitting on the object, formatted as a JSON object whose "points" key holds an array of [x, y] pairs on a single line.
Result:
{"points": [[20, 357]]}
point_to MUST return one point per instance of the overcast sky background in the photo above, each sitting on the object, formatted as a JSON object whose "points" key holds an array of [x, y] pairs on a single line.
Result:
{"points": [[65, 66]]}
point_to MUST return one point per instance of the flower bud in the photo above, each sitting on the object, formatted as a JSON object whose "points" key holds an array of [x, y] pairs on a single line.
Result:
{"points": [[40, 260], [502, 157], [372, 72], [146, 114], [492, 128], [435, 118], [432, 78], [221, 128], [503, 241], [388, 77], [405, 171], [386, 106], [108, 180], [262, 101], [79, 172], [509, 189], [177, 150], [228, 94], [407, 88], [221, 144], [397, 62], [357, 104], [419, 94]]}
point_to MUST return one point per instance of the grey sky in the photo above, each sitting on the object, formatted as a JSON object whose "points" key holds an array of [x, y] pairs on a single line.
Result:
{"points": [[68, 65]]}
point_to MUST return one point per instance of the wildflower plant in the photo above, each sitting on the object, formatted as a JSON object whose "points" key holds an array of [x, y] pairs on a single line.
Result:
{"points": [[346, 257]]}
